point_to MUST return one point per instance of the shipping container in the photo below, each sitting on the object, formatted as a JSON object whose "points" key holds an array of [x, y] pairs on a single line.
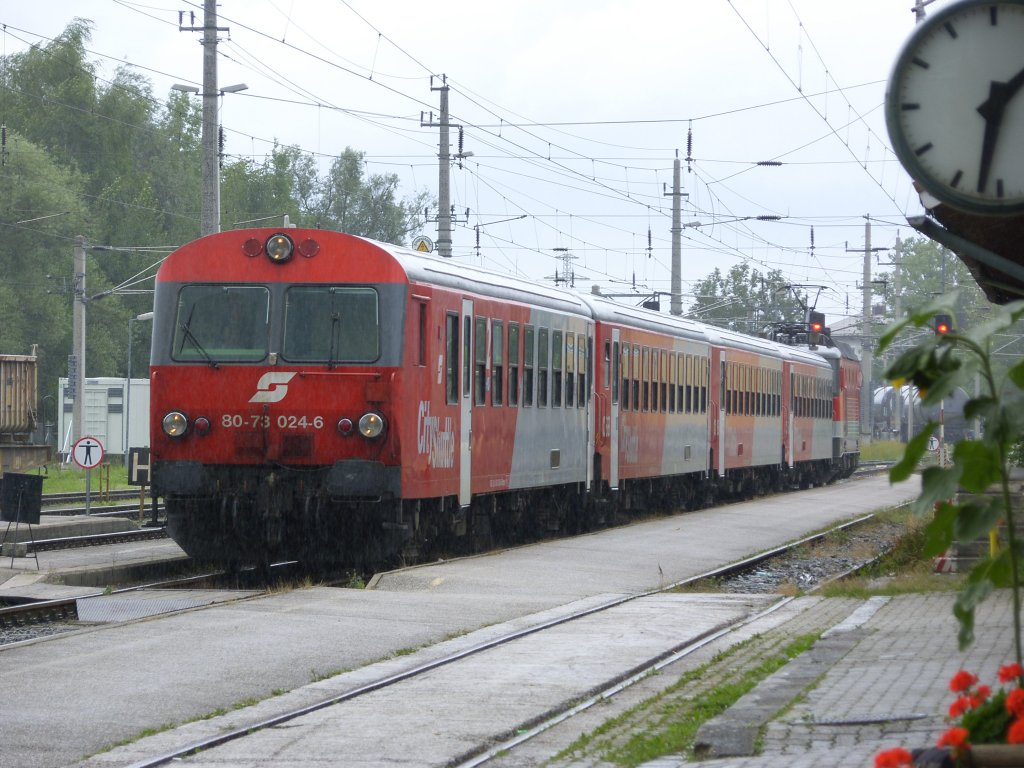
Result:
{"points": [[18, 390]]}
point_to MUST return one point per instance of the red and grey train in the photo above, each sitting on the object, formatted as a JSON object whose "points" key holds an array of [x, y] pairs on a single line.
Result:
{"points": [[320, 396]]}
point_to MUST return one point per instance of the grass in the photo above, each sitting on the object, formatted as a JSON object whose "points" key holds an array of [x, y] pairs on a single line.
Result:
{"points": [[670, 720], [60, 478], [882, 450]]}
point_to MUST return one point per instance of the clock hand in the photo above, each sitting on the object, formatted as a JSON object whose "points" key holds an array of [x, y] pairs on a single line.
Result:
{"points": [[992, 109]]}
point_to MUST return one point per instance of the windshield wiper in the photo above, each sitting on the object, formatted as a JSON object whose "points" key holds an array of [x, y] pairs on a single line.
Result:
{"points": [[335, 328], [186, 333]]}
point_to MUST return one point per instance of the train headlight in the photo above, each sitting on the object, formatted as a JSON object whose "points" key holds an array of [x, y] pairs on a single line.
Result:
{"points": [[202, 425], [371, 425], [345, 426], [279, 248], [175, 424]]}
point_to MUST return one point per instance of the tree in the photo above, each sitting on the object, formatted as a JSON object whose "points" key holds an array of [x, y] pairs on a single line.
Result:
{"points": [[40, 202], [745, 300], [367, 207], [929, 272]]}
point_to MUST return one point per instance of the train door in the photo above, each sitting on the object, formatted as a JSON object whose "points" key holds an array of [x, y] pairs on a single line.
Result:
{"points": [[788, 401], [466, 406], [613, 455], [723, 395]]}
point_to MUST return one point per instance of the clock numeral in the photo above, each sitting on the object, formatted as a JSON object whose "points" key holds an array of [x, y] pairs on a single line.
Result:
{"points": [[921, 150], [956, 179], [993, 16], [909, 106], [951, 30], [999, 188], [921, 63]]}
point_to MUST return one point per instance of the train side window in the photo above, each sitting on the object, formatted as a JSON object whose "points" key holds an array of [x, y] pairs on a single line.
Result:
{"points": [[497, 362], [421, 347], [654, 379], [627, 374], [513, 364], [451, 354], [543, 360], [729, 391], [673, 366], [557, 365], [528, 357], [467, 355], [584, 368], [748, 390], [688, 383], [663, 381], [607, 372], [705, 372], [636, 377], [645, 376], [616, 367], [480, 362], [570, 370]]}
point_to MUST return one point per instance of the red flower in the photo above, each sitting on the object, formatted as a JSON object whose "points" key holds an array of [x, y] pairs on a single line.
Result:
{"points": [[894, 758], [956, 738], [1010, 672], [1015, 735], [958, 707], [962, 681], [1015, 702]]}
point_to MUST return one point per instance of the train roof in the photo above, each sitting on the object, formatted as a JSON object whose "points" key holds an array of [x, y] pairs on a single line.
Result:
{"points": [[461, 276], [458, 275]]}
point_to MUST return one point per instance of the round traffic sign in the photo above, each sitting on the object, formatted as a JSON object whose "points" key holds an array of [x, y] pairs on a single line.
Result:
{"points": [[87, 452]]}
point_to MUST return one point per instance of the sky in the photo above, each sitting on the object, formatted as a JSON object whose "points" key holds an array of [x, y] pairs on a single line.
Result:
{"points": [[574, 111]]}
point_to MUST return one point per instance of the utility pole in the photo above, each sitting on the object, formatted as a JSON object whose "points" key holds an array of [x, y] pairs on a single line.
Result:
{"points": [[444, 212], [868, 343], [76, 372], [897, 308], [676, 305], [210, 214]]}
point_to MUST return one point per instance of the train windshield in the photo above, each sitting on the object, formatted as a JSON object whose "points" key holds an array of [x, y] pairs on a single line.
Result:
{"points": [[221, 323], [331, 324]]}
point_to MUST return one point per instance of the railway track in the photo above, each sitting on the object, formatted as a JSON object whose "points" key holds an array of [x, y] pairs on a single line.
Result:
{"points": [[486, 752]]}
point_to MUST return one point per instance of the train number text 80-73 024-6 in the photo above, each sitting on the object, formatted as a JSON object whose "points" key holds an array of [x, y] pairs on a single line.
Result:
{"points": [[266, 421]]}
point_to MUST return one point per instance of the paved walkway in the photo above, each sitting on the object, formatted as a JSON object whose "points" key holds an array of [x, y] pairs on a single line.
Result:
{"points": [[884, 684]]}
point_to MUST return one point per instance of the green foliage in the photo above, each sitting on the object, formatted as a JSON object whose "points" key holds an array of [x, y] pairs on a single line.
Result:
{"points": [[106, 160], [958, 496], [745, 300]]}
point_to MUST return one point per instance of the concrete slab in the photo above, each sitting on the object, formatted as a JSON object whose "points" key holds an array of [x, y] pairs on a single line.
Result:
{"points": [[109, 684]]}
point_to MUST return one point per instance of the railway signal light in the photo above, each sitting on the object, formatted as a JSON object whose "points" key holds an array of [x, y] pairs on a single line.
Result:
{"points": [[815, 326], [943, 325]]}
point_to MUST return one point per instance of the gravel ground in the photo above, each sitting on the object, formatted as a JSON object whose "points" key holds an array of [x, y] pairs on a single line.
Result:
{"points": [[813, 565]]}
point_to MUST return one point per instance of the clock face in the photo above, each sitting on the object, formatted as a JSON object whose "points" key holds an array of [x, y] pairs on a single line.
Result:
{"points": [[955, 105]]}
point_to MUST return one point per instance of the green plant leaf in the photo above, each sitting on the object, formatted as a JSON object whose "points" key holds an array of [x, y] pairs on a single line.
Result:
{"points": [[937, 484], [977, 517], [980, 464], [939, 533], [915, 449], [980, 407], [891, 333], [1016, 374], [972, 594]]}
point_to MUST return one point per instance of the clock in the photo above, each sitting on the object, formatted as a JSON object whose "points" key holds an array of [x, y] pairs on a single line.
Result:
{"points": [[954, 106]]}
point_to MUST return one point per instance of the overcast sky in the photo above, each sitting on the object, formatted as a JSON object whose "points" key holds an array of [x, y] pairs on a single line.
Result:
{"points": [[574, 111]]}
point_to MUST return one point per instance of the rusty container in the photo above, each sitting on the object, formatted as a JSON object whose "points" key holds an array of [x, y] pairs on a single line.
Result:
{"points": [[18, 393]]}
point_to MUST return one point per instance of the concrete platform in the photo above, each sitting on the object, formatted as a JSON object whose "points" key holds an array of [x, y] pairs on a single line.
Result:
{"points": [[110, 683], [53, 574]]}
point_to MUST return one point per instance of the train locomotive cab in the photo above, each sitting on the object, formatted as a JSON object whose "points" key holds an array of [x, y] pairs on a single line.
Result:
{"points": [[274, 359]]}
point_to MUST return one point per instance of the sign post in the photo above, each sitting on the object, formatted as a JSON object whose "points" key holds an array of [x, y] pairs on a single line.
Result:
{"points": [[87, 453]]}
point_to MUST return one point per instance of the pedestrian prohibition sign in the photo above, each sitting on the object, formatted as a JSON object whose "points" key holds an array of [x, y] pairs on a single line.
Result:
{"points": [[87, 452]]}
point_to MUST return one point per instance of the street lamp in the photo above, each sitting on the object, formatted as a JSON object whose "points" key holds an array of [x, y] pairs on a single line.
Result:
{"points": [[128, 394], [210, 214]]}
